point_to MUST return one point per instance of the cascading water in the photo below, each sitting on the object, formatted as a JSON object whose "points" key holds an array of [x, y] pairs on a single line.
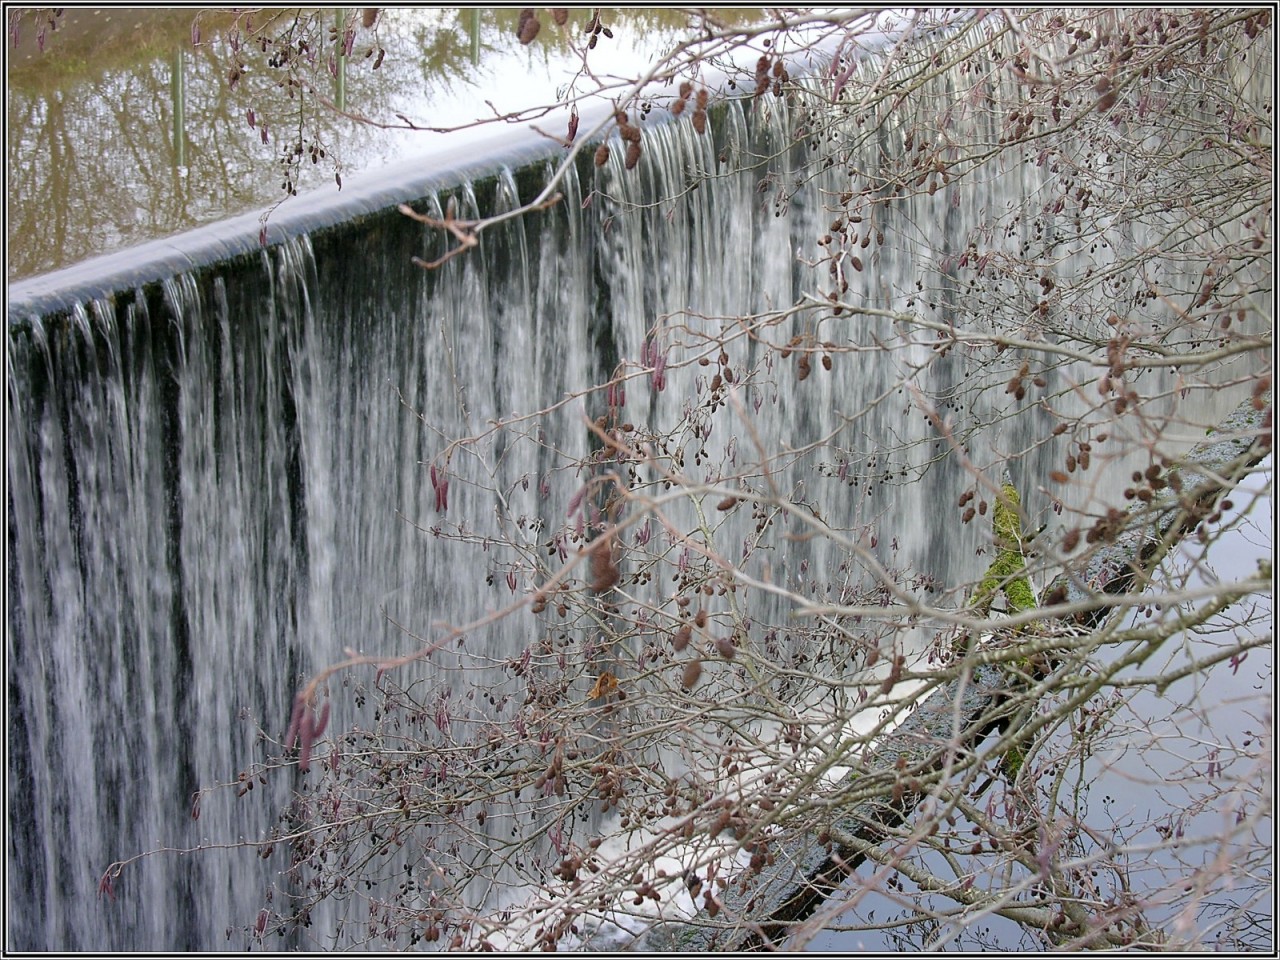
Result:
{"points": [[218, 483]]}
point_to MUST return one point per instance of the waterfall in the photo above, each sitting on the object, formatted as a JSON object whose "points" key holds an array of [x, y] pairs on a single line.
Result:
{"points": [[218, 483]]}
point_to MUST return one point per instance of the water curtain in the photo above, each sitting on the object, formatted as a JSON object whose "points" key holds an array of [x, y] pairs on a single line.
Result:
{"points": [[219, 483]]}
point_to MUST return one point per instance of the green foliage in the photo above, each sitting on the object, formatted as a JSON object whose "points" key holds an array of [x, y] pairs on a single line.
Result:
{"points": [[1007, 570]]}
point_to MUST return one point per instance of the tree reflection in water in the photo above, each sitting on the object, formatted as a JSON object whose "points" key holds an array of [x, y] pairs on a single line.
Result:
{"points": [[96, 161]]}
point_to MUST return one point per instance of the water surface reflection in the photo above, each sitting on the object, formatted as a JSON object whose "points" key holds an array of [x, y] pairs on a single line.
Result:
{"points": [[125, 125]]}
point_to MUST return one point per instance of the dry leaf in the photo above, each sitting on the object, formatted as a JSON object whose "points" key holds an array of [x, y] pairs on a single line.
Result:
{"points": [[605, 684]]}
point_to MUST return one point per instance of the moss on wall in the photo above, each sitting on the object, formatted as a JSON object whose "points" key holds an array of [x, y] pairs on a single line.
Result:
{"points": [[1004, 572]]}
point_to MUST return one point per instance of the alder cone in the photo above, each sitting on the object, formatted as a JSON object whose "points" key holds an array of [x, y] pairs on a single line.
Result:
{"points": [[602, 154]]}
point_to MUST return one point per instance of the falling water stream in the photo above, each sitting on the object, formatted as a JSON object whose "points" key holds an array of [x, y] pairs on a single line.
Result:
{"points": [[218, 483]]}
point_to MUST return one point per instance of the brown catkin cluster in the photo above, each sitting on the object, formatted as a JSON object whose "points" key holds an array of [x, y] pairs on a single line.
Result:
{"points": [[680, 639], [770, 73], [691, 674], [700, 112], [682, 101], [603, 571], [762, 76], [630, 134], [528, 26]]}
